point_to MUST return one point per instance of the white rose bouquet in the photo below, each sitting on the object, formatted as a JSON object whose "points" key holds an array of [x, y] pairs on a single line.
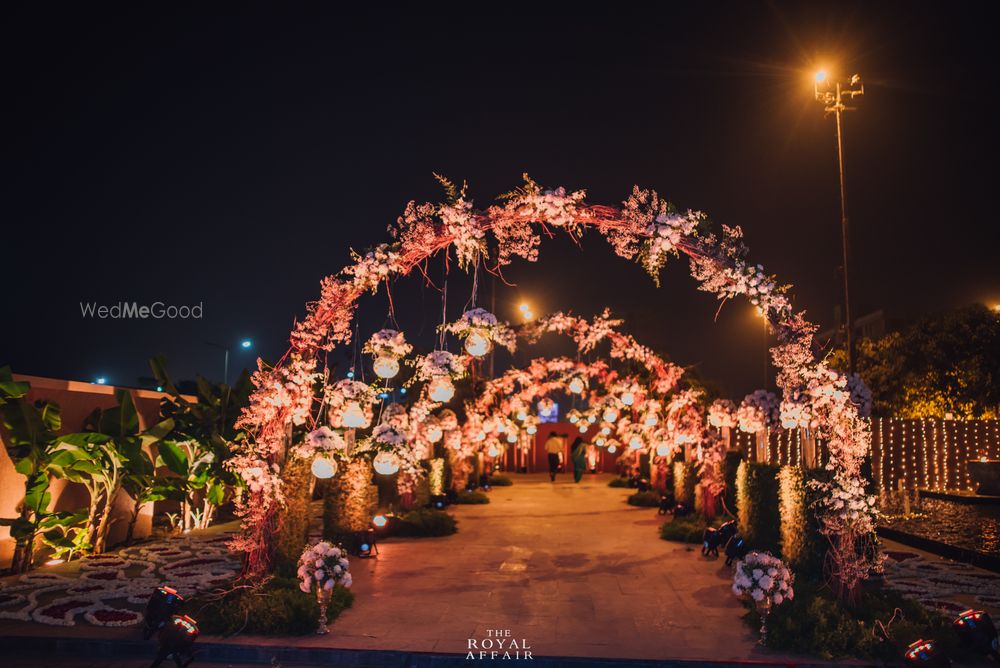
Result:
{"points": [[323, 566], [762, 577]]}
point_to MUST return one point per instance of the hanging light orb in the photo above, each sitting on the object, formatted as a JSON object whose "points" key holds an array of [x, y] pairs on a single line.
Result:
{"points": [[493, 451], [573, 418], [532, 429], [323, 467], [600, 442], [512, 437], [385, 463], [610, 414], [501, 428], [576, 386], [605, 430], [441, 389], [628, 398], [481, 436], [662, 450], [522, 415], [635, 443], [435, 434], [591, 418], [386, 367], [612, 448], [353, 416], [651, 420], [477, 343], [583, 426]]}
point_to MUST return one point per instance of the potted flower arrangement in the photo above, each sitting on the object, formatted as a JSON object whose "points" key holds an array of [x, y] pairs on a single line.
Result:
{"points": [[480, 329], [764, 580], [350, 403], [439, 368], [322, 567]]}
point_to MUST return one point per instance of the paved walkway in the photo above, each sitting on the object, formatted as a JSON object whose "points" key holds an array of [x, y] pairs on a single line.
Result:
{"points": [[571, 569]]}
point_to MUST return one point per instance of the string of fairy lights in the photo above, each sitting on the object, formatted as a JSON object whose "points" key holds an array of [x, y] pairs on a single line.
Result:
{"points": [[925, 453]]}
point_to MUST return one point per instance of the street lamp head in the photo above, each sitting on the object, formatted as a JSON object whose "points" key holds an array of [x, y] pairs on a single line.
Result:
{"points": [[821, 76], [246, 343], [523, 307], [101, 380]]}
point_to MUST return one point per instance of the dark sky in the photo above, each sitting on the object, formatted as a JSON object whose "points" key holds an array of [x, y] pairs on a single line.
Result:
{"points": [[230, 157]]}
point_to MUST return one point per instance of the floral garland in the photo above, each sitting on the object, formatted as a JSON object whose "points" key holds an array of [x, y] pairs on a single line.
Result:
{"points": [[718, 261]]}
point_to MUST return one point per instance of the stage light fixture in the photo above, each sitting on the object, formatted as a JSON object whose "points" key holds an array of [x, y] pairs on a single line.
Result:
{"points": [[176, 640], [736, 549], [926, 653], [976, 631], [163, 604]]}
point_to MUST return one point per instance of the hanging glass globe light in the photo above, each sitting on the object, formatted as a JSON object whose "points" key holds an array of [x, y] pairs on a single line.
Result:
{"points": [[441, 389], [628, 398], [477, 343], [501, 428], [635, 443], [651, 420], [435, 434], [576, 385], [386, 367], [493, 451], [605, 430], [481, 436], [612, 448], [531, 429], [512, 437], [573, 417], [600, 442], [610, 414], [522, 415], [591, 418], [353, 416], [583, 426], [323, 467], [385, 463], [662, 450]]}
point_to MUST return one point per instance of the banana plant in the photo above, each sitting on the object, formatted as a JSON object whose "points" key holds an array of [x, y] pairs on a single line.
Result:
{"points": [[196, 474], [98, 459], [142, 484], [30, 428]]}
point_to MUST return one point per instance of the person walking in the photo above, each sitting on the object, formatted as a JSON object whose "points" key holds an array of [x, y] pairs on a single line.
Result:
{"points": [[579, 454], [554, 448]]}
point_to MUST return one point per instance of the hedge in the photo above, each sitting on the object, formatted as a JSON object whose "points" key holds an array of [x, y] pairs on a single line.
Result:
{"points": [[685, 479], [757, 510]]}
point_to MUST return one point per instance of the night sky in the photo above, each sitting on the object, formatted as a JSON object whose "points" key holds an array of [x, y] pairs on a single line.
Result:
{"points": [[232, 157]]}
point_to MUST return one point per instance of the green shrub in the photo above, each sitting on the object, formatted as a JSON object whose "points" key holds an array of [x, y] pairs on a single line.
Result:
{"points": [[757, 513], [473, 498], [685, 478], [814, 622], [500, 481], [802, 546], [278, 607], [649, 498], [684, 529], [425, 522], [618, 482]]}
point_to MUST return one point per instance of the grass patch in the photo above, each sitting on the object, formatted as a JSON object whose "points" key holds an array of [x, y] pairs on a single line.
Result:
{"points": [[474, 498], [647, 499], [684, 529], [500, 481], [425, 522], [278, 607], [815, 622], [618, 482]]}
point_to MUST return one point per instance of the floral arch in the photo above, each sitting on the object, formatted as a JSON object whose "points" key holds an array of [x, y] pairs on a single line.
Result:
{"points": [[644, 228]]}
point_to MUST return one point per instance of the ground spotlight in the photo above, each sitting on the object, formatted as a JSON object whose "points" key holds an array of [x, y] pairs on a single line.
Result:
{"points": [[926, 653], [976, 631], [176, 640], [367, 546], [163, 604], [666, 504], [380, 521], [736, 549], [438, 501], [682, 510], [713, 539]]}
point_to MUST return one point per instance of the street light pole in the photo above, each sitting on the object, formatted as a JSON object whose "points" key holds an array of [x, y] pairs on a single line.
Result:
{"points": [[832, 97]]}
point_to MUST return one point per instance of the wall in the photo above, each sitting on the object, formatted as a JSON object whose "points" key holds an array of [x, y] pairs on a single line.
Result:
{"points": [[76, 401], [537, 457]]}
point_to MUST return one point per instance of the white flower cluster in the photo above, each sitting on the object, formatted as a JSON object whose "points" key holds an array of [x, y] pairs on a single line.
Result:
{"points": [[861, 396], [665, 232], [262, 477], [553, 207], [479, 319], [469, 238], [323, 566], [370, 269], [439, 363], [322, 440], [388, 343], [761, 576], [722, 413], [759, 411], [391, 435], [796, 411]]}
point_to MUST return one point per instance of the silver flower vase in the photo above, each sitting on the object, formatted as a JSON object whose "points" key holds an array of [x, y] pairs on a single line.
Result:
{"points": [[763, 609]]}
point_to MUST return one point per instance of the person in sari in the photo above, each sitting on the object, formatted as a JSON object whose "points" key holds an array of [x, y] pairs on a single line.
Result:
{"points": [[579, 454]]}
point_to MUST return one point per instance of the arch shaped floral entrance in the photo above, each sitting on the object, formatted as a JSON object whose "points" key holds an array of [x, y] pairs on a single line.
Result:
{"points": [[643, 228]]}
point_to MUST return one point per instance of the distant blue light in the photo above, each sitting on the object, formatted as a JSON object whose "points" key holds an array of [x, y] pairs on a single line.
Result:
{"points": [[246, 343], [365, 547], [101, 380], [383, 395], [402, 390], [159, 388], [350, 374]]}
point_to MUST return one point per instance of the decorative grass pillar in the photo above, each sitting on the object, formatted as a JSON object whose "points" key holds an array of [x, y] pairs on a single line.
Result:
{"points": [[297, 481]]}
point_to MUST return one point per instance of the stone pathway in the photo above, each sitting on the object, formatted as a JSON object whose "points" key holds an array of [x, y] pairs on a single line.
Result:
{"points": [[569, 569]]}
